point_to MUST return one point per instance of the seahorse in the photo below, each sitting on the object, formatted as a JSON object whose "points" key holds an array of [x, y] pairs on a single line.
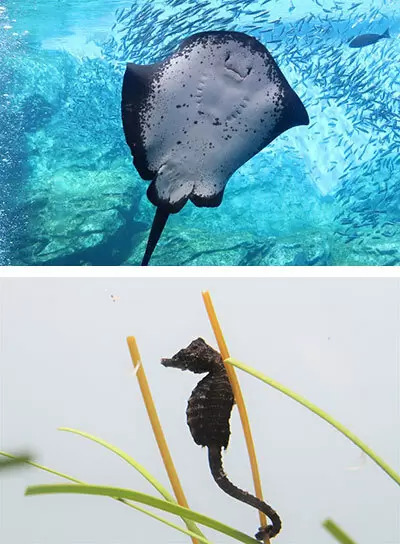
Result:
{"points": [[208, 412]]}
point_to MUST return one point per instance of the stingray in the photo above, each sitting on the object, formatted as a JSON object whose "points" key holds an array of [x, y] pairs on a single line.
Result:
{"points": [[194, 118]]}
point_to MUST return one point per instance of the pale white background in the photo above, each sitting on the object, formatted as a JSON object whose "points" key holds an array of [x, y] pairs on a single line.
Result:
{"points": [[64, 361]]}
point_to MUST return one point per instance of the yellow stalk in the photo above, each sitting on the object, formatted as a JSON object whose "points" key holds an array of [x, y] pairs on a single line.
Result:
{"points": [[156, 425], [238, 399]]}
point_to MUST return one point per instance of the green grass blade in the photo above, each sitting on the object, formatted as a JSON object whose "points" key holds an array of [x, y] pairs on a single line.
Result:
{"points": [[131, 505], [42, 467], [130, 494], [337, 532], [341, 428], [140, 468], [188, 532], [13, 461]]}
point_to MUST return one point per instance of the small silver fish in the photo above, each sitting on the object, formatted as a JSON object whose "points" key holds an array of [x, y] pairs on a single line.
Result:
{"points": [[368, 39]]}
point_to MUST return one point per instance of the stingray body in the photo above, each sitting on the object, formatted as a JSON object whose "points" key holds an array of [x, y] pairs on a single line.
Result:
{"points": [[197, 116]]}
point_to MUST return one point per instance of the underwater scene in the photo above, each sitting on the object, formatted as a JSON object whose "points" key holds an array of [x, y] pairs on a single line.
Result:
{"points": [[316, 187]]}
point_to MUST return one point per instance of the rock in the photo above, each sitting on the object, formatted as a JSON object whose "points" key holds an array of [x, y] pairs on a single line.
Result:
{"points": [[196, 248]]}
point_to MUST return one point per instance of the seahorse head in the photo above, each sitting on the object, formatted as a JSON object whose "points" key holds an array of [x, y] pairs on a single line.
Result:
{"points": [[198, 357]]}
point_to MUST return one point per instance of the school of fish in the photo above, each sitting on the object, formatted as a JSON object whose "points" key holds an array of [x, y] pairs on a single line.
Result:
{"points": [[351, 150]]}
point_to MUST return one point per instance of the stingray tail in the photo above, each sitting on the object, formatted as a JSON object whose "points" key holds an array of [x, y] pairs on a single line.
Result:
{"points": [[386, 34], [221, 479], [157, 227]]}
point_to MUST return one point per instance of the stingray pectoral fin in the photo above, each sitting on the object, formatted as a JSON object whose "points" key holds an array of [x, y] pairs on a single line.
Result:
{"points": [[157, 228], [136, 88], [295, 113]]}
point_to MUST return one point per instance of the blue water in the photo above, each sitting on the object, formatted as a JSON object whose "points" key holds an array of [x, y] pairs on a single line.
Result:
{"points": [[326, 194]]}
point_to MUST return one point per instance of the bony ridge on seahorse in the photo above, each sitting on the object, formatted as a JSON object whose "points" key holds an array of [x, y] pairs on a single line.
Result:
{"points": [[208, 413]]}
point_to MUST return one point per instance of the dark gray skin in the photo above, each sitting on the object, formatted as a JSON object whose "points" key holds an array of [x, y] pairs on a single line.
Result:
{"points": [[368, 39], [208, 414]]}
